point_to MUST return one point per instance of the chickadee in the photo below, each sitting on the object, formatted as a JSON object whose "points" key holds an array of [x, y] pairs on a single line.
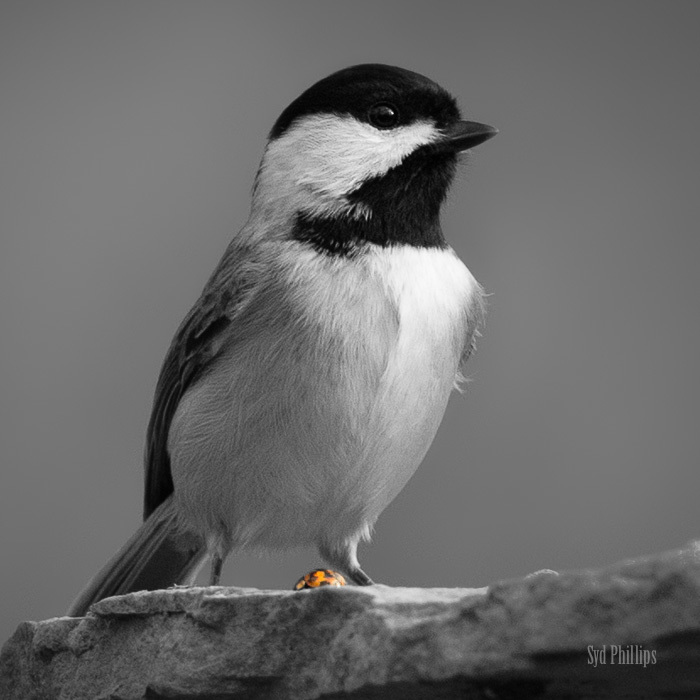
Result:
{"points": [[304, 388]]}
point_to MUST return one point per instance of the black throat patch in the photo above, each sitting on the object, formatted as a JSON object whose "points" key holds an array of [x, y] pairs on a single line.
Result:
{"points": [[337, 236], [403, 208]]}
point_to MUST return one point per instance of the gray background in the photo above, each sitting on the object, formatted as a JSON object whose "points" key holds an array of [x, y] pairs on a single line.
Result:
{"points": [[130, 133]]}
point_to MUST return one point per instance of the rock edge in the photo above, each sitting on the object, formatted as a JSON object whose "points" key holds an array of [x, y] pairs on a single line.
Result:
{"points": [[524, 638]]}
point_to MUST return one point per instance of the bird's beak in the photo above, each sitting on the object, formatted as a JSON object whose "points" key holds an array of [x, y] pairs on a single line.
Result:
{"points": [[463, 135]]}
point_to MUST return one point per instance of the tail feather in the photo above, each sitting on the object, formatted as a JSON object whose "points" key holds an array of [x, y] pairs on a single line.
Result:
{"points": [[159, 554]]}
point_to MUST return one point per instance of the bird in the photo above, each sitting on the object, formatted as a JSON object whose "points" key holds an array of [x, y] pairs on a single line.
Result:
{"points": [[306, 384]]}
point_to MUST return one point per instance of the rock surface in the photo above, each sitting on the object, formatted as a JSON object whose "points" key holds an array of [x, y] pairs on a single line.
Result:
{"points": [[544, 636]]}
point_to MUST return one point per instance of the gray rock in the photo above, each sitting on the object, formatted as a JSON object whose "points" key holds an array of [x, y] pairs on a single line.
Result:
{"points": [[629, 630]]}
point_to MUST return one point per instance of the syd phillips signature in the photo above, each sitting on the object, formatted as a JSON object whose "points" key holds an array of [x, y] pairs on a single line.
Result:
{"points": [[621, 654]]}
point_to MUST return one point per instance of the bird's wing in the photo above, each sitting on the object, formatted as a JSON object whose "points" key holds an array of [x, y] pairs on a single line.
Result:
{"points": [[197, 343]]}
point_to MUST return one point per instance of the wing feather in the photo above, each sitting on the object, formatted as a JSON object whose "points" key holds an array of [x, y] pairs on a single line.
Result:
{"points": [[196, 345]]}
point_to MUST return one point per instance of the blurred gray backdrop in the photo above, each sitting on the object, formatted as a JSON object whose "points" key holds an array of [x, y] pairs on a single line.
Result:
{"points": [[130, 133]]}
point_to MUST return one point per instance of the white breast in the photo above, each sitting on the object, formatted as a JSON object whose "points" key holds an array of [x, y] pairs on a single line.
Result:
{"points": [[328, 398], [433, 292]]}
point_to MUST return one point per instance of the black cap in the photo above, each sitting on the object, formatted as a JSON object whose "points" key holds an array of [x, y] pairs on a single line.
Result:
{"points": [[355, 90]]}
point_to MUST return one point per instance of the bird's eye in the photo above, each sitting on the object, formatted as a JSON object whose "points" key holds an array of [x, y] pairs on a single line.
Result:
{"points": [[383, 115]]}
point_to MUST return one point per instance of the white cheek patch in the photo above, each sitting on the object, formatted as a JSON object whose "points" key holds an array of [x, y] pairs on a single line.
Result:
{"points": [[321, 159]]}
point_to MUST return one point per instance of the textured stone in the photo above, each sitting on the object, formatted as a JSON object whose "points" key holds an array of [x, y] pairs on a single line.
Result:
{"points": [[526, 638]]}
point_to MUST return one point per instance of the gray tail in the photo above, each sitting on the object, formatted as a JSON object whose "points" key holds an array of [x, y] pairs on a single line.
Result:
{"points": [[159, 554]]}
